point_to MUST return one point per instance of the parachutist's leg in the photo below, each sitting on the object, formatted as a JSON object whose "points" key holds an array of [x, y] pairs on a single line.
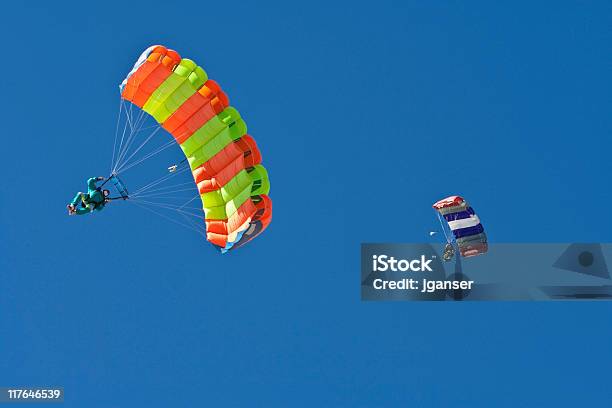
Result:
{"points": [[76, 199], [82, 211]]}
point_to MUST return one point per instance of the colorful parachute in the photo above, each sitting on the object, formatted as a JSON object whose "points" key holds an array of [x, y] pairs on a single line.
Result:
{"points": [[464, 224], [224, 160]]}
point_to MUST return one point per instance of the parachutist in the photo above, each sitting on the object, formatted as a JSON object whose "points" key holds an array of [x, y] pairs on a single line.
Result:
{"points": [[93, 200], [172, 168], [449, 252]]}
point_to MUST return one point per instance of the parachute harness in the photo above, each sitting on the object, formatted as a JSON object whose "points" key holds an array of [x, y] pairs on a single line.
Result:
{"points": [[119, 186]]}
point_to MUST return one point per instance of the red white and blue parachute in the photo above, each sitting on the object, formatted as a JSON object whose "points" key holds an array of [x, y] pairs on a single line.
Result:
{"points": [[465, 225]]}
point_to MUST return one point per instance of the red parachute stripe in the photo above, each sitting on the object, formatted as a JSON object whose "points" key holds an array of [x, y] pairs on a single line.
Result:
{"points": [[155, 70], [198, 109], [451, 201], [252, 155]]}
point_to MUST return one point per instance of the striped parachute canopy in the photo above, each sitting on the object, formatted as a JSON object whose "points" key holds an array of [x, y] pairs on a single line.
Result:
{"points": [[223, 158], [464, 224]]}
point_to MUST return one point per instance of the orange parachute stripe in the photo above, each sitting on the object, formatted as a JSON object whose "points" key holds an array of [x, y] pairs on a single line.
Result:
{"points": [[260, 221], [213, 180], [150, 75], [231, 224], [222, 167], [198, 109], [252, 155], [218, 230], [264, 210]]}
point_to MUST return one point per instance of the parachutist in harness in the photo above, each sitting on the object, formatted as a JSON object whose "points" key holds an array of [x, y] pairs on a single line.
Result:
{"points": [[449, 252], [96, 198], [93, 200]]}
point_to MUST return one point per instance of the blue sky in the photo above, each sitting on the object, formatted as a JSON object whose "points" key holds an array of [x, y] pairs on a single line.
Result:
{"points": [[365, 115]]}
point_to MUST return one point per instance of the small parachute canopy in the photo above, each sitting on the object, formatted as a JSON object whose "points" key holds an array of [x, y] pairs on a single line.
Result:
{"points": [[465, 225]]}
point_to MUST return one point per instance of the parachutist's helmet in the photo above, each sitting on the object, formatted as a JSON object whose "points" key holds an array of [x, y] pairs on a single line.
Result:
{"points": [[106, 193]]}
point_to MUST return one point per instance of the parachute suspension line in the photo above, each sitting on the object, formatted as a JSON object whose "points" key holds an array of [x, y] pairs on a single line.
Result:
{"points": [[199, 217], [133, 122], [128, 143], [165, 194], [159, 181], [129, 116], [176, 194], [133, 125], [195, 212], [201, 209], [129, 119], [448, 240], [122, 138], [138, 123], [200, 225], [123, 146], [160, 149], [199, 214], [148, 127], [190, 221], [160, 189], [116, 134], [190, 200], [121, 158], [198, 230], [154, 197], [126, 161]]}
